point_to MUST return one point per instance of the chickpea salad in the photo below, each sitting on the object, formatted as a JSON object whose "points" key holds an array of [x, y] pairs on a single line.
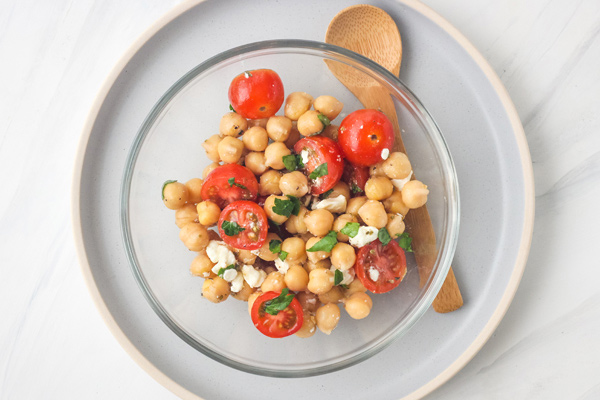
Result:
{"points": [[297, 216]]}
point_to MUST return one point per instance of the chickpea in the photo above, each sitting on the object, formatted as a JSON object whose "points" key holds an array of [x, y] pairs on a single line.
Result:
{"points": [[296, 104], [175, 195], [295, 223], [194, 236], [255, 162], [355, 204], [211, 146], [296, 249], [320, 281], [296, 278], [309, 326], [343, 256], [274, 154], [202, 266], [194, 186], [340, 188], [230, 149], [264, 252], [251, 299], [315, 256], [373, 214], [262, 122], [328, 106], [354, 287], [215, 289], [331, 131], [358, 305], [294, 184], [293, 137], [269, 183], [397, 166], [186, 214], [279, 128], [273, 282], [309, 301], [324, 263], [272, 215], [245, 256], [319, 222], [208, 213], [335, 295], [414, 194], [232, 124], [209, 169], [256, 139], [379, 188], [377, 169], [395, 225], [309, 123], [339, 224], [328, 317], [244, 293], [394, 204]]}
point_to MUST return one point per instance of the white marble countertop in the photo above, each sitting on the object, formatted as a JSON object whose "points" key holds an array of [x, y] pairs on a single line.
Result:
{"points": [[56, 54]]}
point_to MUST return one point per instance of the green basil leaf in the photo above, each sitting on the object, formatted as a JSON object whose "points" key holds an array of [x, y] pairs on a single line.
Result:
{"points": [[384, 236], [325, 244], [287, 207], [345, 286], [283, 255], [275, 246], [279, 303], [405, 241], [231, 108], [231, 228], [162, 192], [290, 162], [318, 172], [327, 194], [351, 229], [324, 120], [232, 182], [355, 189], [338, 277], [297, 204], [222, 270]]}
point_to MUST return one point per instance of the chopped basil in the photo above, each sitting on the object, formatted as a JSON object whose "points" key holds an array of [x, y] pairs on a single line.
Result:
{"points": [[231, 108], [405, 241], [283, 255], [325, 244], [275, 246], [355, 189], [327, 194], [292, 162], [324, 120], [232, 182], [279, 303], [318, 172], [231, 228], [287, 207], [338, 277], [351, 229], [222, 270], [162, 192], [384, 236]]}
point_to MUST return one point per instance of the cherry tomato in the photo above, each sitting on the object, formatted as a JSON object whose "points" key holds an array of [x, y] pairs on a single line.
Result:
{"points": [[256, 94], [285, 323], [322, 150], [380, 268], [228, 183], [356, 177], [363, 135], [248, 216]]}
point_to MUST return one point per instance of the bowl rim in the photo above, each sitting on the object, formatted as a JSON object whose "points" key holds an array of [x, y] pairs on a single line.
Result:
{"points": [[446, 244]]}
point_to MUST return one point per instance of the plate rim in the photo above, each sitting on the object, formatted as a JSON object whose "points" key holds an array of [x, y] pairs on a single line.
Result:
{"points": [[522, 254]]}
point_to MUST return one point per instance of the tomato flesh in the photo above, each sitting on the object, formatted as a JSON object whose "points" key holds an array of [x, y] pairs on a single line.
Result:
{"points": [[356, 177], [285, 323], [386, 263], [363, 135], [218, 189], [322, 150], [256, 94], [252, 218]]}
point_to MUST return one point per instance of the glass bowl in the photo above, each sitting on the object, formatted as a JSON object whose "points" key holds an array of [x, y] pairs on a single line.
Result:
{"points": [[169, 146]]}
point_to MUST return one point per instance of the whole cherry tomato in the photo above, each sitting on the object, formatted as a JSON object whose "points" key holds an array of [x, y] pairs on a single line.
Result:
{"points": [[363, 135], [256, 94]]}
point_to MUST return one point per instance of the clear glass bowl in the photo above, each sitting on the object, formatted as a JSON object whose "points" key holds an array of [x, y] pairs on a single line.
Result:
{"points": [[169, 146]]}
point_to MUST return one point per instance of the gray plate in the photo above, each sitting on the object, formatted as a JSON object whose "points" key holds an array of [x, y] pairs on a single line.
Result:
{"points": [[467, 101]]}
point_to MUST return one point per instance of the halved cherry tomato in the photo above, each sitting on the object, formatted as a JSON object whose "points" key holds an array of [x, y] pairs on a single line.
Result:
{"points": [[256, 94], [228, 183], [285, 323], [250, 217], [385, 263], [356, 177], [322, 150], [363, 134]]}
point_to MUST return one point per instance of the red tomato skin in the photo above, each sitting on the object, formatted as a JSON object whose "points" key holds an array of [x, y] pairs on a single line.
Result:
{"points": [[363, 134], [355, 175], [256, 94], [267, 324], [324, 150], [217, 189], [389, 278], [240, 241]]}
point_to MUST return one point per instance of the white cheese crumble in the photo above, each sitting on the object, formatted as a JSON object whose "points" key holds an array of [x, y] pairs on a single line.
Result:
{"points": [[348, 276], [237, 283], [373, 274], [219, 254], [229, 275], [385, 153], [282, 266], [304, 156], [365, 235], [253, 277], [399, 183], [336, 204], [255, 252]]}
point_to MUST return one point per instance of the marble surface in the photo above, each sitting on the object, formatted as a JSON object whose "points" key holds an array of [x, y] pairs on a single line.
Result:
{"points": [[55, 56]]}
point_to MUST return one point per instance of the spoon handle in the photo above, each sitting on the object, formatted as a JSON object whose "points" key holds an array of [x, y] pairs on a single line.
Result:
{"points": [[418, 222]]}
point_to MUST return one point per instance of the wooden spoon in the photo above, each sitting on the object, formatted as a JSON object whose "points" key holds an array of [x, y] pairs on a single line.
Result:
{"points": [[370, 31]]}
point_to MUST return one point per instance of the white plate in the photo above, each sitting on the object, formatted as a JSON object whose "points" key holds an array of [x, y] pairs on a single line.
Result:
{"points": [[473, 111]]}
